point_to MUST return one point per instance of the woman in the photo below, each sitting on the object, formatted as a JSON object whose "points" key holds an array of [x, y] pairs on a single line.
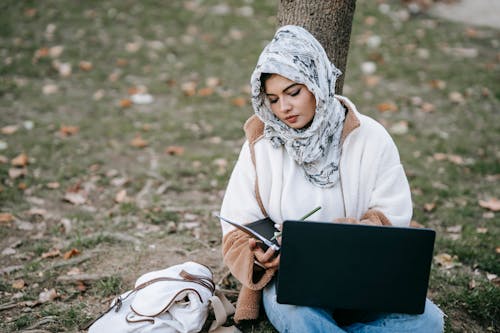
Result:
{"points": [[307, 147]]}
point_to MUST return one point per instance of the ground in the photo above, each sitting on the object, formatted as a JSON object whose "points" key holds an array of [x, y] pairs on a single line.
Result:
{"points": [[99, 184]]}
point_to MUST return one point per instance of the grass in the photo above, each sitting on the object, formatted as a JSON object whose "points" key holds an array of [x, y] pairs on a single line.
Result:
{"points": [[109, 286], [163, 45]]}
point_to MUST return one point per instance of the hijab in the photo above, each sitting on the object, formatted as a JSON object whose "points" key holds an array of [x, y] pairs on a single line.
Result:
{"points": [[295, 54]]}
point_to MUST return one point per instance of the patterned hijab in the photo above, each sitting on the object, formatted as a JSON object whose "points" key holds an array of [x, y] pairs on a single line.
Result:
{"points": [[295, 54]]}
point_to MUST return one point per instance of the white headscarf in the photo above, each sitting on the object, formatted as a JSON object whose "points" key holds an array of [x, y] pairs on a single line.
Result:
{"points": [[295, 54]]}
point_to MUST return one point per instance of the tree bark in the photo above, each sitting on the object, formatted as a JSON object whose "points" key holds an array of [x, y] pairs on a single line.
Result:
{"points": [[330, 21]]}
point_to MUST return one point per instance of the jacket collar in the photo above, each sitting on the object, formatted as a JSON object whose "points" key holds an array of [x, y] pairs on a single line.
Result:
{"points": [[351, 121], [254, 127]]}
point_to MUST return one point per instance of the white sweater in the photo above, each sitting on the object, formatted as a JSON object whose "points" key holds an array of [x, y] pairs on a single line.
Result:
{"points": [[371, 177]]}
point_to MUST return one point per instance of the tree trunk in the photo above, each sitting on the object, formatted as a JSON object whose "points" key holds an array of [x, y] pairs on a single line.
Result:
{"points": [[330, 21]]}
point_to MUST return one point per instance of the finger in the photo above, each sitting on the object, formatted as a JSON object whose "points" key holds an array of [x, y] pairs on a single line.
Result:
{"points": [[266, 256], [273, 263], [252, 243]]}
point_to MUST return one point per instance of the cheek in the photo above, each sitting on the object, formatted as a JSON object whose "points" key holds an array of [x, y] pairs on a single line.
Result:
{"points": [[310, 104], [274, 109]]}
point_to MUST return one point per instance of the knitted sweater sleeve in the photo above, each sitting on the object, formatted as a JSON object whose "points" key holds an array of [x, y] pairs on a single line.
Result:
{"points": [[390, 194], [240, 205]]}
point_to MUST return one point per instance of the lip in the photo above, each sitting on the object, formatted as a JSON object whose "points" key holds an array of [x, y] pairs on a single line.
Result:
{"points": [[292, 119]]}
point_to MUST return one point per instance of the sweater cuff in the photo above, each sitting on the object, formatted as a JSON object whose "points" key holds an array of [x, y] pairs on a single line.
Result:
{"points": [[240, 260], [376, 217], [248, 304]]}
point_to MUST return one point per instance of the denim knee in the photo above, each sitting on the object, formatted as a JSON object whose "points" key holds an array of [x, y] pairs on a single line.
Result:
{"points": [[433, 317]]}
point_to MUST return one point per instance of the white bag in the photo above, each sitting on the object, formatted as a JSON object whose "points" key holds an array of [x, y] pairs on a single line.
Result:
{"points": [[175, 299]]}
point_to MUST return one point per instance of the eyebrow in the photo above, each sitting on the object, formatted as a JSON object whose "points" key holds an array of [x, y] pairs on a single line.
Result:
{"points": [[290, 86]]}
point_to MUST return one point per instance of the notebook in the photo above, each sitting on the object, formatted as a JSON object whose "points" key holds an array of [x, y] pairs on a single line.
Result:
{"points": [[262, 230], [355, 267]]}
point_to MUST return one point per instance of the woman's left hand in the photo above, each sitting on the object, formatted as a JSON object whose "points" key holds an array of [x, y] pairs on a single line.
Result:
{"points": [[267, 258]]}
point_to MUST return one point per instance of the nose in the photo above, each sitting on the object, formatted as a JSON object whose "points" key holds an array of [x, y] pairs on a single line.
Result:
{"points": [[285, 106]]}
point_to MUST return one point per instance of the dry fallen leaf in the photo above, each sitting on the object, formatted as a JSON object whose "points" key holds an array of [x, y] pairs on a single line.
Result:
{"points": [[76, 198], [74, 271], [174, 150], [56, 51], [445, 260], [51, 254], [47, 296], [15, 173], [67, 130], [401, 127], [20, 161], [438, 84], [454, 229], [120, 62], [64, 68], [135, 90], [8, 130], [456, 159], [71, 253], [388, 106], [18, 284], [52, 185], [427, 107], [121, 196], [6, 217], [481, 230], [80, 285], [488, 215], [50, 89], [456, 97], [213, 82], [429, 207], [440, 156], [189, 88], [415, 224], [133, 47], [138, 142], [37, 213], [492, 204], [207, 91], [491, 276], [371, 80], [239, 101], [30, 12], [85, 65], [125, 103], [40, 53]]}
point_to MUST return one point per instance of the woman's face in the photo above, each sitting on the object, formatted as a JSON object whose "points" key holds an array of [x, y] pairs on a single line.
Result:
{"points": [[290, 101]]}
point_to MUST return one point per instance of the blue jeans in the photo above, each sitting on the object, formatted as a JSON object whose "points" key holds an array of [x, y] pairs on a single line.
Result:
{"points": [[302, 319]]}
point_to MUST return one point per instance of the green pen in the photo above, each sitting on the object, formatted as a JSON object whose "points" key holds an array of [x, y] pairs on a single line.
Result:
{"points": [[278, 234]]}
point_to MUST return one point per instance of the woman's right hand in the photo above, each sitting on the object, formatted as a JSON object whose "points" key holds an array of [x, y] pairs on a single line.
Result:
{"points": [[265, 258]]}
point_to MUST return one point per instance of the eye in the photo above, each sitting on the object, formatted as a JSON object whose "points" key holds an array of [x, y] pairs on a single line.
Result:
{"points": [[272, 100], [295, 92]]}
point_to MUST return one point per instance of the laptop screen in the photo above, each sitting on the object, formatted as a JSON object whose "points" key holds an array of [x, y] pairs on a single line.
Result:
{"points": [[361, 267]]}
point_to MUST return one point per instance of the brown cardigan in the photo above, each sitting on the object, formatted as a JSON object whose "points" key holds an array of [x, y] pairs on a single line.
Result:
{"points": [[236, 251]]}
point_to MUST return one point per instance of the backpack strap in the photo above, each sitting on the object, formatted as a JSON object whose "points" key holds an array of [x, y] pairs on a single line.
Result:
{"points": [[254, 131], [222, 309]]}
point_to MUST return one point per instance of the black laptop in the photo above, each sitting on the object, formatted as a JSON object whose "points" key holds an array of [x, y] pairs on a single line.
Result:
{"points": [[355, 267]]}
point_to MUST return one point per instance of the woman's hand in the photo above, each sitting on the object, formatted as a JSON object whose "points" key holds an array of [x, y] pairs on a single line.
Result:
{"points": [[267, 259], [354, 221]]}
